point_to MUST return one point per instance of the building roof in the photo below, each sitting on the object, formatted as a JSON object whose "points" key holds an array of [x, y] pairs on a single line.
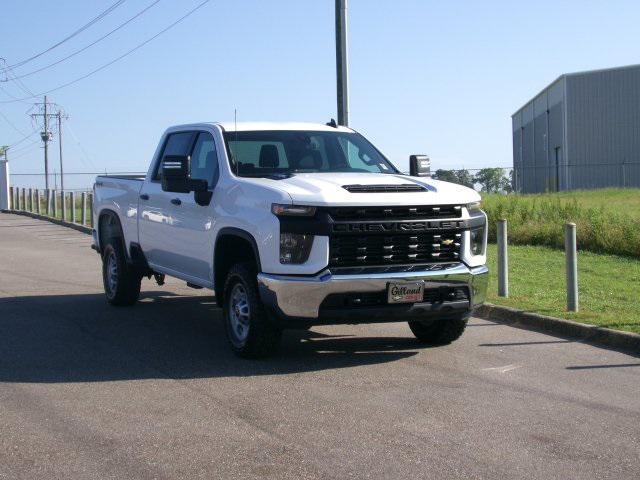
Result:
{"points": [[574, 74]]}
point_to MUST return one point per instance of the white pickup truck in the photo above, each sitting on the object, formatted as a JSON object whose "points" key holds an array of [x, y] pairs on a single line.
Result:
{"points": [[294, 225]]}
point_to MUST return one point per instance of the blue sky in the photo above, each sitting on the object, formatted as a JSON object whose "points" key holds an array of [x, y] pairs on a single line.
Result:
{"points": [[432, 77]]}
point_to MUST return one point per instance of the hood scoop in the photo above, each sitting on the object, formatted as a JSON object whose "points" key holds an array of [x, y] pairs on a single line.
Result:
{"points": [[402, 188]]}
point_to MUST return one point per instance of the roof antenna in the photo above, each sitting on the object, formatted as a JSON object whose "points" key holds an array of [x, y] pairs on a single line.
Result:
{"points": [[332, 123]]}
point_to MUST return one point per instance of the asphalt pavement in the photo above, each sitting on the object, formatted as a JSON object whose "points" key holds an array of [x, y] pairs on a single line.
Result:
{"points": [[152, 391]]}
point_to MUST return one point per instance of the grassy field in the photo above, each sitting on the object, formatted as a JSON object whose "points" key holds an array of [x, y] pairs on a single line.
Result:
{"points": [[609, 286], [608, 220]]}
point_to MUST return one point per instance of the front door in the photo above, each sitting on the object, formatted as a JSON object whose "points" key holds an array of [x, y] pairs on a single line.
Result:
{"points": [[175, 232]]}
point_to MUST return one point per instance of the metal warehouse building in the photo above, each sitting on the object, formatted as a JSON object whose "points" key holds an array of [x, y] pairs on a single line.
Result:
{"points": [[582, 131]]}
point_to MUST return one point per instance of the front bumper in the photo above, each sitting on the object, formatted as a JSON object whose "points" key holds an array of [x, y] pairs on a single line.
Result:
{"points": [[299, 299]]}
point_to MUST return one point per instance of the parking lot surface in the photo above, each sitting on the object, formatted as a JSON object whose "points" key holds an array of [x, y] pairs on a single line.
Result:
{"points": [[153, 391]]}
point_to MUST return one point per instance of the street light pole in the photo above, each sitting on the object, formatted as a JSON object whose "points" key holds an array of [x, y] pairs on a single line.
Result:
{"points": [[342, 66]]}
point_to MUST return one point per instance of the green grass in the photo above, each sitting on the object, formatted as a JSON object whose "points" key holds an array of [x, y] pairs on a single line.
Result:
{"points": [[609, 286], [608, 220]]}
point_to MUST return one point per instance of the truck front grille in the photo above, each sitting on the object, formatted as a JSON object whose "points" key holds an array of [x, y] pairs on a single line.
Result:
{"points": [[380, 249], [395, 213]]}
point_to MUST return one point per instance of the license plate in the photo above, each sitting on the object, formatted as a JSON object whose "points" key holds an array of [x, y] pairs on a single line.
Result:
{"points": [[405, 292]]}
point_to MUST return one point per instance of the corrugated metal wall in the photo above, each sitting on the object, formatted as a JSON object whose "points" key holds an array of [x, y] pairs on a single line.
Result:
{"points": [[604, 124], [538, 139], [590, 139]]}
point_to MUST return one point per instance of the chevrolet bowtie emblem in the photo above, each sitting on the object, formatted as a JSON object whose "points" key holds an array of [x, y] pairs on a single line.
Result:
{"points": [[447, 242]]}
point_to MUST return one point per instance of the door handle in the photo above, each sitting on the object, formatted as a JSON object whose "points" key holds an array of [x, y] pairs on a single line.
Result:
{"points": [[144, 196], [176, 201]]}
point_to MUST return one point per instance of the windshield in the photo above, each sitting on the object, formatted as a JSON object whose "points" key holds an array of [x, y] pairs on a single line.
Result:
{"points": [[284, 152]]}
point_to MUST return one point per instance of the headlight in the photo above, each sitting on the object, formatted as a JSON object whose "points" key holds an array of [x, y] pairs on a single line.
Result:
{"points": [[293, 210], [477, 241], [295, 247], [474, 207]]}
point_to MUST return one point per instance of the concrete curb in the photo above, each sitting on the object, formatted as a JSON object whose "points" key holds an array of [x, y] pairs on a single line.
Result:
{"points": [[57, 221], [592, 334]]}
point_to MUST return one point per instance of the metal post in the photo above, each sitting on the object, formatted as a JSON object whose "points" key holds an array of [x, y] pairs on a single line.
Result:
{"points": [[72, 199], [37, 201], [570, 248], [63, 203], [503, 260], [83, 212], [55, 203], [31, 209], [47, 195], [11, 200], [342, 65], [24, 199], [91, 209], [5, 187]]}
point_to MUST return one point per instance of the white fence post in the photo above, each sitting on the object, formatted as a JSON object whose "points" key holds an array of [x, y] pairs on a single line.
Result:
{"points": [[83, 212], [55, 203], [63, 203], [5, 193], [38, 201], [73, 206]]}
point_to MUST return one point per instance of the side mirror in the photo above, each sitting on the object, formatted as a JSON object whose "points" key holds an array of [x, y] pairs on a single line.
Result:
{"points": [[176, 178], [175, 173], [419, 166]]}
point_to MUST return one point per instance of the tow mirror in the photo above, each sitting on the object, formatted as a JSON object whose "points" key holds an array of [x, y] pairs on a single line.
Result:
{"points": [[419, 166], [175, 173], [176, 178]]}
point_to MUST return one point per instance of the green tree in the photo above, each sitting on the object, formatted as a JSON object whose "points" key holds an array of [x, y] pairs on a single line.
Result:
{"points": [[461, 177], [491, 180]]}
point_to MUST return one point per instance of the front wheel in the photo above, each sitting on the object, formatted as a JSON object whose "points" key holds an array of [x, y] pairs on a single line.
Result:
{"points": [[441, 331], [250, 331]]}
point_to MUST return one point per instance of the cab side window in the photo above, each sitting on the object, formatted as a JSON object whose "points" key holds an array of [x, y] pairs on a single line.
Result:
{"points": [[204, 161]]}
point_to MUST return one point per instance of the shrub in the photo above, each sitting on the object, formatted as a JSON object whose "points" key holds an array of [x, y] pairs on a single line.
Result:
{"points": [[540, 219]]}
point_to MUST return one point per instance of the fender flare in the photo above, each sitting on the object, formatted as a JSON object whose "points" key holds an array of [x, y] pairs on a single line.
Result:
{"points": [[237, 232]]}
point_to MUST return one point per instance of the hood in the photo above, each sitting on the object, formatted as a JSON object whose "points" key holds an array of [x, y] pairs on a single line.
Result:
{"points": [[327, 189]]}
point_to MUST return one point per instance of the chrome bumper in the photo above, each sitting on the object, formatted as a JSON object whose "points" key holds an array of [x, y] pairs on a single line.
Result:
{"points": [[300, 297]]}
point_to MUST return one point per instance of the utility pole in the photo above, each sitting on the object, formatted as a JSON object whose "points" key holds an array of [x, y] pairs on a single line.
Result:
{"points": [[342, 66], [60, 115], [46, 135]]}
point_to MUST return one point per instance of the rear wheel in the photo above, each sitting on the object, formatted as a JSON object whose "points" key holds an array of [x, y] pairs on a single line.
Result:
{"points": [[441, 331], [121, 281], [250, 331]]}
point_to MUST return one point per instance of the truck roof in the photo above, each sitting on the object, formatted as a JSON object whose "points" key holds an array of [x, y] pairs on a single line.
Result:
{"points": [[253, 126]]}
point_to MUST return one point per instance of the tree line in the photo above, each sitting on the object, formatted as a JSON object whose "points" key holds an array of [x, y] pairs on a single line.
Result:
{"points": [[491, 180]]}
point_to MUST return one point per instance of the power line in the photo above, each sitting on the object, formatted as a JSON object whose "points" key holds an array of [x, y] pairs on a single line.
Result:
{"points": [[68, 37], [18, 77], [23, 139], [9, 94], [137, 47], [11, 123]]}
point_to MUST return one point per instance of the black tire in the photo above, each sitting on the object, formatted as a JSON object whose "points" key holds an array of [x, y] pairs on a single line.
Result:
{"points": [[250, 331], [441, 331], [121, 281]]}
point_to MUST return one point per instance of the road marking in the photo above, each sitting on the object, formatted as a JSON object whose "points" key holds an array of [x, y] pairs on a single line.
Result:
{"points": [[505, 369]]}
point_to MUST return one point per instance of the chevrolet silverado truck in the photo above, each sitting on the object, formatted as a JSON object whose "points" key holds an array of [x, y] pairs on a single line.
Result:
{"points": [[294, 225]]}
